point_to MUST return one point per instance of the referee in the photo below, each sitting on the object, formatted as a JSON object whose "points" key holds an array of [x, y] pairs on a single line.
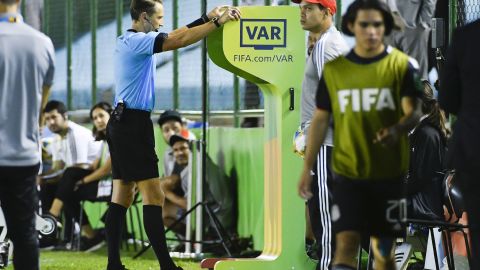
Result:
{"points": [[130, 130]]}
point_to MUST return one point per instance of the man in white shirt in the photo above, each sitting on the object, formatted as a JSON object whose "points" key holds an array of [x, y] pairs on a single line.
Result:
{"points": [[73, 151]]}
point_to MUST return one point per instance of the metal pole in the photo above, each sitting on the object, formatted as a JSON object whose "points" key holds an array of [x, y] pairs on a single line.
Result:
{"points": [[69, 52], [93, 29], [188, 233], [45, 17], [338, 15], [119, 4], [452, 14], [236, 101], [236, 93], [22, 9], [205, 107], [176, 102], [199, 199]]}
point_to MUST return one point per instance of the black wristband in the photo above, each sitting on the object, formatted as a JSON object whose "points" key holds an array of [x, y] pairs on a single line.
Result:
{"points": [[215, 21], [205, 18], [197, 22]]}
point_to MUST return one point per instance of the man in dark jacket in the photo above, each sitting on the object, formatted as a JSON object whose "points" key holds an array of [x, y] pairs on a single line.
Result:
{"points": [[460, 95]]}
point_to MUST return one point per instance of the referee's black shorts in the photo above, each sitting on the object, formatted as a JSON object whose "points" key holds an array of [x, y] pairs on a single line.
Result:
{"points": [[132, 146]]}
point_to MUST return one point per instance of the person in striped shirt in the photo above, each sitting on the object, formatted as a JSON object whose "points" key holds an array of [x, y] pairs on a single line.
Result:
{"points": [[316, 16]]}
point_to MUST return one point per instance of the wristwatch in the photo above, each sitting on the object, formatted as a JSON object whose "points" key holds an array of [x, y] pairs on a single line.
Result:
{"points": [[215, 21]]}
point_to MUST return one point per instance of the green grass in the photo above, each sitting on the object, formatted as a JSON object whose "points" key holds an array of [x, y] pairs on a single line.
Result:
{"points": [[67, 260]]}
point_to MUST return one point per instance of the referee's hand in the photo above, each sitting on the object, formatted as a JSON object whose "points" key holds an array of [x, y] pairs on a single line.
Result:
{"points": [[304, 185], [217, 11], [230, 14]]}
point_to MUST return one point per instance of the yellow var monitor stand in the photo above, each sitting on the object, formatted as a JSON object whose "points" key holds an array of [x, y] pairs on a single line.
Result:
{"points": [[267, 47]]}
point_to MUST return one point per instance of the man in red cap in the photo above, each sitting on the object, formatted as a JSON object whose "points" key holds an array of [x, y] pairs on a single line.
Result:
{"points": [[316, 16]]}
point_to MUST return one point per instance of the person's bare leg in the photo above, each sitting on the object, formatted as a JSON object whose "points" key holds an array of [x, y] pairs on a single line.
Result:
{"points": [[383, 251], [153, 200], [348, 243], [308, 226], [123, 192], [169, 213], [170, 216], [88, 231], [56, 207]]}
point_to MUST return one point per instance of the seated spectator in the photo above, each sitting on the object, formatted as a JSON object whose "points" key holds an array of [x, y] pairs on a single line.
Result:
{"points": [[220, 188], [427, 152], [96, 186], [170, 123], [74, 151], [175, 186], [424, 181]]}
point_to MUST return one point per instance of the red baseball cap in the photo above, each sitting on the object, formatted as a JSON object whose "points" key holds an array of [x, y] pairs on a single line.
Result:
{"points": [[331, 4]]}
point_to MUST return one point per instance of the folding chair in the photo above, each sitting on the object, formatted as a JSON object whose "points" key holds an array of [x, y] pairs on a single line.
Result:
{"points": [[453, 202], [223, 236]]}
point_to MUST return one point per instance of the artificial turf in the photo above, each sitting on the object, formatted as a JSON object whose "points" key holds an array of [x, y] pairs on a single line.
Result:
{"points": [[68, 260]]}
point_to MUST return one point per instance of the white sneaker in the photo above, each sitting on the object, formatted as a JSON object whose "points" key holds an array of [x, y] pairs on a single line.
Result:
{"points": [[402, 255]]}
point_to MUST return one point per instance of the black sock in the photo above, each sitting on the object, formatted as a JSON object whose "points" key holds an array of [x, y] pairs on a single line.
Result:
{"points": [[153, 223], [113, 228]]}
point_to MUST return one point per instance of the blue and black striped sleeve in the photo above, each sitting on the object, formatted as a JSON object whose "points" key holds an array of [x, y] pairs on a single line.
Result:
{"points": [[158, 45]]}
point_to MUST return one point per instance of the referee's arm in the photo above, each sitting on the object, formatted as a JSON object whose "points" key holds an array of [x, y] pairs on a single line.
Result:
{"points": [[186, 36]]}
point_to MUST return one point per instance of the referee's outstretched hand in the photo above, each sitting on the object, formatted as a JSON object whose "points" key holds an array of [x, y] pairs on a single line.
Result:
{"points": [[304, 185], [229, 14], [217, 11]]}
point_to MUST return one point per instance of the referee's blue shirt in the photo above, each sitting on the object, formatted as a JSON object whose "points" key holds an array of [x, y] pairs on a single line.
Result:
{"points": [[135, 70]]}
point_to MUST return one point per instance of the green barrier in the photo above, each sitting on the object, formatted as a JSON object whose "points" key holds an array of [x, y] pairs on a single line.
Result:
{"points": [[243, 161], [267, 47]]}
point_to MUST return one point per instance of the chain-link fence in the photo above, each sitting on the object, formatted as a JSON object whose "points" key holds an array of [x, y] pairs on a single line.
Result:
{"points": [[80, 31], [467, 11]]}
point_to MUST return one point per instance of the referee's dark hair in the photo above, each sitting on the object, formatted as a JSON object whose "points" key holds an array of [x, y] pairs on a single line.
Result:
{"points": [[139, 6], [56, 105], [99, 136], [352, 11]]}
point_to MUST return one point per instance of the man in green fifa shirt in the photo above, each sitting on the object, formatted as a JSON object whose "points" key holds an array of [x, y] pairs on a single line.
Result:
{"points": [[373, 95]]}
